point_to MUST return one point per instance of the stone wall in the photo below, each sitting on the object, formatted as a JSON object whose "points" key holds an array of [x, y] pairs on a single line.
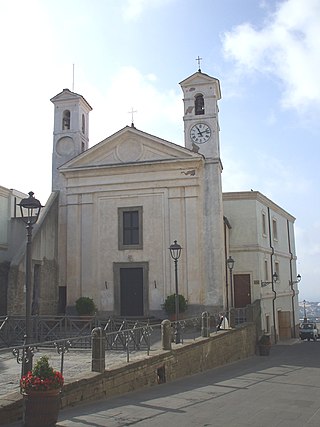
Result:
{"points": [[162, 366]]}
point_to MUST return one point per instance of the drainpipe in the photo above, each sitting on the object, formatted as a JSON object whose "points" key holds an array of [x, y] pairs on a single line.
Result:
{"points": [[272, 282], [291, 283], [226, 225]]}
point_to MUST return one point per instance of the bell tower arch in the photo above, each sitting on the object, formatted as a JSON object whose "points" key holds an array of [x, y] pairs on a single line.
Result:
{"points": [[71, 130]]}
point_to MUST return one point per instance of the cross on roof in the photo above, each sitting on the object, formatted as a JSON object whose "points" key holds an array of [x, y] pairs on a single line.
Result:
{"points": [[132, 112], [199, 60]]}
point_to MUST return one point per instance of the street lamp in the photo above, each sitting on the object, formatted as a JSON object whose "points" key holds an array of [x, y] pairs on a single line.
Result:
{"points": [[175, 252], [230, 264], [294, 282], [30, 210]]}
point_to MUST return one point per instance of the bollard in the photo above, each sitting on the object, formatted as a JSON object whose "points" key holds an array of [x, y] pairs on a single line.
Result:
{"points": [[98, 340], [166, 334], [205, 327]]}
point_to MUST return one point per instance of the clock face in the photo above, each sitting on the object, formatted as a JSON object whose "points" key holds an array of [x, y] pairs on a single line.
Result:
{"points": [[200, 133]]}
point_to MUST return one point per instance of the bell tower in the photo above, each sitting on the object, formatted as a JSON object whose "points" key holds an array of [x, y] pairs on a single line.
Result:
{"points": [[201, 132], [71, 130], [201, 126]]}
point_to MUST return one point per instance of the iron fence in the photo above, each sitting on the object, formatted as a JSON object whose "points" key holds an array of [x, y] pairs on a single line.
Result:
{"points": [[55, 328]]}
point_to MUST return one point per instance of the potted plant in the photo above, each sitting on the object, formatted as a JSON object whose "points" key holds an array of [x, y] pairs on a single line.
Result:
{"points": [[85, 306], [264, 345], [170, 304], [40, 389]]}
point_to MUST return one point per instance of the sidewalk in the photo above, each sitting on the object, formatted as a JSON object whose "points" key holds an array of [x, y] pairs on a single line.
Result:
{"points": [[280, 390]]}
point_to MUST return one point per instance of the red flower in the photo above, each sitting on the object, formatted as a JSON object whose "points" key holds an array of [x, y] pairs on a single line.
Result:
{"points": [[43, 377]]}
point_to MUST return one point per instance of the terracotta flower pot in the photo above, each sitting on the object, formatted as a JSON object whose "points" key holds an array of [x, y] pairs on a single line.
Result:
{"points": [[41, 408], [264, 350]]}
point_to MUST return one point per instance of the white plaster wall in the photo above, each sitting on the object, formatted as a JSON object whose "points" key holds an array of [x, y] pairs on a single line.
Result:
{"points": [[250, 248], [172, 210]]}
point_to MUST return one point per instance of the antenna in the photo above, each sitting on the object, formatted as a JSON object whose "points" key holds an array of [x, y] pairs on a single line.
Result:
{"points": [[72, 77]]}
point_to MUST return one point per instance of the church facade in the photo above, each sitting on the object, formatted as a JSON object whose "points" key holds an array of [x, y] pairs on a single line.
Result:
{"points": [[125, 200], [116, 208]]}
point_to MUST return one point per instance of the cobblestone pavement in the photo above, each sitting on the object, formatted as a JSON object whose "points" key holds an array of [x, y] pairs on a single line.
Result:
{"points": [[75, 362]]}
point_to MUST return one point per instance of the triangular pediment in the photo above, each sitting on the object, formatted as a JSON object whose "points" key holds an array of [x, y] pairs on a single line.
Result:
{"points": [[67, 95], [129, 146]]}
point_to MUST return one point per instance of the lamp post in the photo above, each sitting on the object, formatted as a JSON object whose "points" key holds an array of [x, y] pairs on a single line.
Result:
{"points": [[175, 252], [30, 209], [230, 264], [292, 283], [305, 319]]}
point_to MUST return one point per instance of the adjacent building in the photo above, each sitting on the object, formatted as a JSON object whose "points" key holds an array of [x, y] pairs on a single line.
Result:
{"points": [[262, 244]]}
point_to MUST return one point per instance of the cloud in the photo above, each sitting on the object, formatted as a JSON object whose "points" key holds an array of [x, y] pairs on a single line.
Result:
{"points": [[157, 112], [286, 47]]}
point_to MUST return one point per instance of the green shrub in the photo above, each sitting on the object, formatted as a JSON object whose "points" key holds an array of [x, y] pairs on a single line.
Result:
{"points": [[85, 306], [170, 307]]}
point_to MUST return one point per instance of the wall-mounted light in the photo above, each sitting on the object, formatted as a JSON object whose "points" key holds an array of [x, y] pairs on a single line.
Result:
{"points": [[294, 282], [274, 280]]}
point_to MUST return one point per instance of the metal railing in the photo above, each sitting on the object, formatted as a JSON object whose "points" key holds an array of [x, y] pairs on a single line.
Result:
{"points": [[53, 328]]}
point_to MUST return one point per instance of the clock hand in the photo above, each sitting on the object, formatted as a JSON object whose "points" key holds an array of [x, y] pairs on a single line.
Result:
{"points": [[199, 131]]}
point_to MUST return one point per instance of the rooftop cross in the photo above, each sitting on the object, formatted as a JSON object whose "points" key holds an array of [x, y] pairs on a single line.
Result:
{"points": [[132, 112], [199, 59]]}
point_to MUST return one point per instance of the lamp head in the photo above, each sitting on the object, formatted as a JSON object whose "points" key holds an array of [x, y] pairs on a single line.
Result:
{"points": [[230, 262], [175, 250], [30, 208]]}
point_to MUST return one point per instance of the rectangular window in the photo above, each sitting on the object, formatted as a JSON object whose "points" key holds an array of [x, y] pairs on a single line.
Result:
{"points": [[130, 228], [267, 323], [266, 275], [274, 229], [264, 224]]}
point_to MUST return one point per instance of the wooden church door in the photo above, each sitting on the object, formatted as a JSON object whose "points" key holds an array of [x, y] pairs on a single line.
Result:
{"points": [[131, 291]]}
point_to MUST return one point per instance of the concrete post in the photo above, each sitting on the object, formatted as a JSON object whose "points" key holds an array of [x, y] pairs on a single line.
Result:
{"points": [[205, 326], [98, 341], [232, 320], [166, 334], [249, 313]]}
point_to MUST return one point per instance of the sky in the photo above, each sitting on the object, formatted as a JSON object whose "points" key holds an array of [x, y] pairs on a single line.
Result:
{"points": [[132, 54]]}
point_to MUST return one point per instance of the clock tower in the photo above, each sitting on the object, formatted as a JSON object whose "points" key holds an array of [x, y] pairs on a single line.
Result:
{"points": [[71, 130], [201, 126]]}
